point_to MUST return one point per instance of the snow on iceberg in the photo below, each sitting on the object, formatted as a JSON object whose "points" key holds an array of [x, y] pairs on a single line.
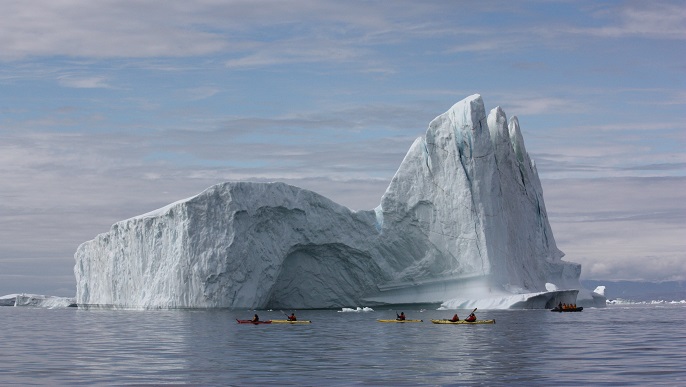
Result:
{"points": [[600, 290], [463, 218]]}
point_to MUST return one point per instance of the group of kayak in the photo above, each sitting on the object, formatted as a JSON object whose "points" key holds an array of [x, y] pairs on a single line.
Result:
{"points": [[567, 308], [400, 318], [471, 319], [291, 320]]}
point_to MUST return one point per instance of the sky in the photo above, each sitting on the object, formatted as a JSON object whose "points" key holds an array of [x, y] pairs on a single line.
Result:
{"points": [[110, 109]]}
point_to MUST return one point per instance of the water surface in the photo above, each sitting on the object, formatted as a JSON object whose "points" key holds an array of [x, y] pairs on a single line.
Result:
{"points": [[627, 345]]}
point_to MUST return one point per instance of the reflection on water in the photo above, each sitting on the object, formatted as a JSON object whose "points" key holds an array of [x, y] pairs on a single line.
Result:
{"points": [[624, 345]]}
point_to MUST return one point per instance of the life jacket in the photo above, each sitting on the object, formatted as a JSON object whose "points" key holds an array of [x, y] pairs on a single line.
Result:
{"points": [[455, 318], [471, 318], [292, 318]]}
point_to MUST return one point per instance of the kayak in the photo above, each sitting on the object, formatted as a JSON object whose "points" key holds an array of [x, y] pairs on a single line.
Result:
{"points": [[445, 321], [399, 321], [253, 322], [577, 309], [291, 322]]}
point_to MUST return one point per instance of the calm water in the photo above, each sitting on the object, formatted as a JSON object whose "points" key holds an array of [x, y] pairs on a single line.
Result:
{"points": [[627, 345]]}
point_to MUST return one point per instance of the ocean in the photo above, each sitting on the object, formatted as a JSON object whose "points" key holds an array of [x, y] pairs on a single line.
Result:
{"points": [[617, 345]]}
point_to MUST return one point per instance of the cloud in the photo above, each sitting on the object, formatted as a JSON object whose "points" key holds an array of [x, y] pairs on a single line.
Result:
{"points": [[101, 30], [77, 82], [289, 51], [653, 20], [537, 105], [129, 29], [620, 228], [200, 93]]}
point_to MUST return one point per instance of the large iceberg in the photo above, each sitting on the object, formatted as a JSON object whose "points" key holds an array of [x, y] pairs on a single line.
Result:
{"points": [[462, 222]]}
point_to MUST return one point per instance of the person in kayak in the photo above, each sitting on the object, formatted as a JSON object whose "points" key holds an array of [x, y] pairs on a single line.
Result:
{"points": [[256, 318], [455, 318], [292, 317], [400, 317], [471, 318]]}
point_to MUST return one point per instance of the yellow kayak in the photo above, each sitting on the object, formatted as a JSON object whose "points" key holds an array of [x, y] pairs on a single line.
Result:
{"points": [[446, 321], [399, 321], [291, 322]]}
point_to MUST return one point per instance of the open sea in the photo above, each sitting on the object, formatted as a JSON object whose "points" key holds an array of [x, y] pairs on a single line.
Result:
{"points": [[617, 345]]}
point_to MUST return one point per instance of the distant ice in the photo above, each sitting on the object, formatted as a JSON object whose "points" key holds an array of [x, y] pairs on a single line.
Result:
{"points": [[620, 301], [600, 290], [37, 300], [356, 310]]}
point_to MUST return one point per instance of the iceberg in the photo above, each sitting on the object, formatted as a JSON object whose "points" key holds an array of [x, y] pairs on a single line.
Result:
{"points": [[462, 223], [37, 300]]}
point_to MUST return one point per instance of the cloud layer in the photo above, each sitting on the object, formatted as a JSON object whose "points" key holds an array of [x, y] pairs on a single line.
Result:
{"points": [[110, 109]]}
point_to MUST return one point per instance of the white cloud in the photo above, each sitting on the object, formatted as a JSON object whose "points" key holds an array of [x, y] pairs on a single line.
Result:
{"points": [[199, 93], [620, 228], [655, 20], [95, 82]]}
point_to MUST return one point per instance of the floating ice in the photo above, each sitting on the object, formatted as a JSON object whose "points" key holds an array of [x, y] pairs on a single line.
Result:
{"points": [[463, 222], [356, 310], [37, 300]]}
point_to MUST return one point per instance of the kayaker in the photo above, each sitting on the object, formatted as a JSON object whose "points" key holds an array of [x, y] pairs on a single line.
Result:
{"points": [[471, 318], [292, 317], [256, 318], [400, 316], [455, 318]]}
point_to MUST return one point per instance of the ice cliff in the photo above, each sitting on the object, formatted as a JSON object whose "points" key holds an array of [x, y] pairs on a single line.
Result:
{"points": [[463, 221]]}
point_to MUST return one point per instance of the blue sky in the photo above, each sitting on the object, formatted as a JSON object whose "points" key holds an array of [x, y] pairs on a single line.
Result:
{"points": [[110, 109]]}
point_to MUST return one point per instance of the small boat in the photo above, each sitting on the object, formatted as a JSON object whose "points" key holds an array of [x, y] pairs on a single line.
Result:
{"points": [[291, 322], [253, 322], [577, 309], [399, 321], [446, 321]]}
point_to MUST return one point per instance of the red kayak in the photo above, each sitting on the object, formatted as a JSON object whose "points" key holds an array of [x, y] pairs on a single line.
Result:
{"points": [[253, 322]]}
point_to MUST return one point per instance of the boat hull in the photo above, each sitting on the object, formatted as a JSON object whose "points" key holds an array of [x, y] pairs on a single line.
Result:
{"points": [[577, 309], [253, 322], [462, 322], [399, 321], [291, 322]]}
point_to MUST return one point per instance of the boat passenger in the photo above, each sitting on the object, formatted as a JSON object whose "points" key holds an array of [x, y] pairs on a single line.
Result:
{"points": [[400, 316], [559, 306], [292, 317], [455, 318], [256, 318], [471, 318], [564, 306]]}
